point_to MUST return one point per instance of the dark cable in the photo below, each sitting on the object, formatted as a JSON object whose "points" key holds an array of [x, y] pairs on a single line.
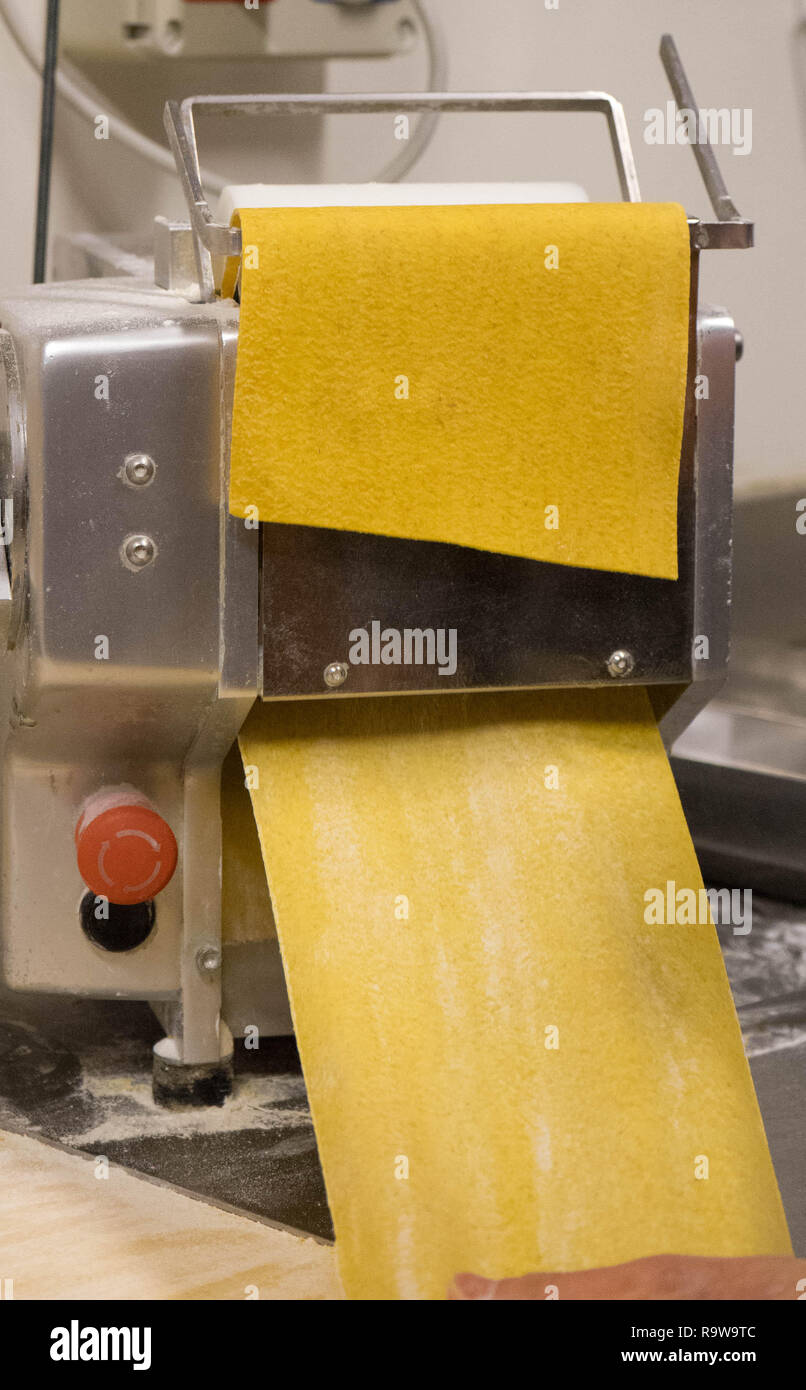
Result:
{"points": [[46, 139]]}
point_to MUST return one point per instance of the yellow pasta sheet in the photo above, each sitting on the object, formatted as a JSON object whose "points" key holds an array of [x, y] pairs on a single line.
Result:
{"points": [[509, 1069], [510, 378]]}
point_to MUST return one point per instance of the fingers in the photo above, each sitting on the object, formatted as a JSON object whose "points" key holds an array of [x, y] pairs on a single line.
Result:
{"points": [[674, 1277]]}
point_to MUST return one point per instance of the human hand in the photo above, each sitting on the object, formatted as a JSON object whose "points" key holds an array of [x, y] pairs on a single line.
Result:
{"points": [[672, 1277]]}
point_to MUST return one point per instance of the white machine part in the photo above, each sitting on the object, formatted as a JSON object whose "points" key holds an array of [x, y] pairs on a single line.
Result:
{"points": [[335, 195], [226, 29]]}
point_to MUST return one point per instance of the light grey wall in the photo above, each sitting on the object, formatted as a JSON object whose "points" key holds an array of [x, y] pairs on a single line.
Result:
{"points": [[739, 53]]}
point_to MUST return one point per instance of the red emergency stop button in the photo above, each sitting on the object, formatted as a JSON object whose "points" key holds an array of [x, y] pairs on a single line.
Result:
{"points": [[126, 851]]}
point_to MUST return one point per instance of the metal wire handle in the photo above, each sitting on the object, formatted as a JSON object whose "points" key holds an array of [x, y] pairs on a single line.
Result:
{"points": [[212, 238]]}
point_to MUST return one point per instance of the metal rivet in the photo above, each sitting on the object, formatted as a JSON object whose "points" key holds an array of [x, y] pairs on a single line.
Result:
{"points": [[138, 551], [620, 663], [336, 673], [208, 960], [701, 238], [139, 470]]}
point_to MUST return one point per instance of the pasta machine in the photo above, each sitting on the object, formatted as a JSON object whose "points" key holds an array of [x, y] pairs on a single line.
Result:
{"points": [[142, 620]]}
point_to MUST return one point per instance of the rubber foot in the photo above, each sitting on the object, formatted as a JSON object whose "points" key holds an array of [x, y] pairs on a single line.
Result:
{"points": [[176, 1084]]}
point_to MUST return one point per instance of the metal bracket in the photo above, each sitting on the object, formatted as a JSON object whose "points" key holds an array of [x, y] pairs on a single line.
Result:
{"points": [[730, 231]]}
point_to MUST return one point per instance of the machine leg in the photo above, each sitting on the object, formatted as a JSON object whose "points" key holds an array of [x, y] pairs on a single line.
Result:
{"points": [[193, 1064]]}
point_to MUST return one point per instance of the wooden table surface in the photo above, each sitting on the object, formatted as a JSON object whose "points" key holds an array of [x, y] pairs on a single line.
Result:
{"points": [[67, 1232]]}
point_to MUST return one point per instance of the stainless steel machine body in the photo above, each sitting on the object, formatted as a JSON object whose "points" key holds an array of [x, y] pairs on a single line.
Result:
{"points": [[143, 620]]}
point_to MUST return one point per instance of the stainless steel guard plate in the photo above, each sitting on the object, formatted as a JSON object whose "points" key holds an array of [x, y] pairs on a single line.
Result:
{"points": [[517, 622]]}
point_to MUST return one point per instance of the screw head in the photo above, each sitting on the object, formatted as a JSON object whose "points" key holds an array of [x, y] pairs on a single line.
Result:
{"points": [[620, 663], [336, 673], [138, 551], [208, 960], [139, 470]]}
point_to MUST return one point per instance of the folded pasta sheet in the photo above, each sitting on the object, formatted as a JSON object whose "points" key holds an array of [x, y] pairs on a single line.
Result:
{"points": [[515, 1060], [505, 377]]}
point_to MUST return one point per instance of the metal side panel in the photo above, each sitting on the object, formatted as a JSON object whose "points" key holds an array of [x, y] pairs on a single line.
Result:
{"points": [[117, 671]]}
